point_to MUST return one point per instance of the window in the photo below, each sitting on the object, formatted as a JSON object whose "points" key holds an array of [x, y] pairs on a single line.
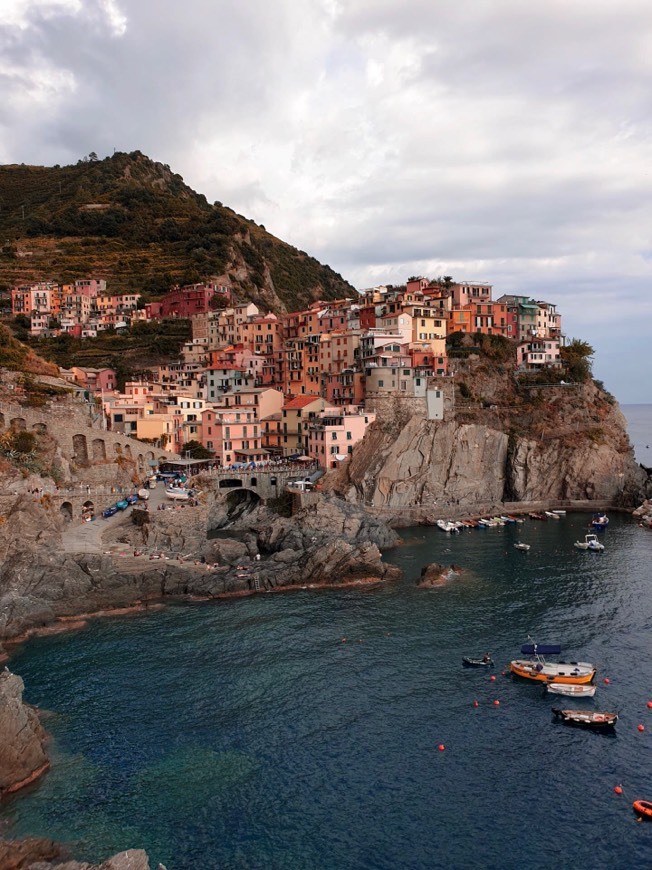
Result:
{"points": [[334, 436], [381, 383], [349, 436]]}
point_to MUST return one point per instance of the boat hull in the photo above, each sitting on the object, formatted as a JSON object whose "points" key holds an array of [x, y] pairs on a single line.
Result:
{"points": [[571, 690], [579, 673], [643, 809], [587, 719]]}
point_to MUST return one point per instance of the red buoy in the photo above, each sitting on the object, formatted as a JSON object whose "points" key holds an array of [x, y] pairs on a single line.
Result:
{"points": [[641, 727], [649, 705], [441, 747], [606, 681], [618, 789], [492, 678], [475, 703], [497, 703]]}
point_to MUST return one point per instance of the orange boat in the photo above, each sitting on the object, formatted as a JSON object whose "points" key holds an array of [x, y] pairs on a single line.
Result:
{"points": [[643, 809], [537, 669]]}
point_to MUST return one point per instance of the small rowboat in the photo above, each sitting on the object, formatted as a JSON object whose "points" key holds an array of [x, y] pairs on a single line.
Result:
{"points": [[477, 663], [570, 690], [643, 809], [587, 719], [521, 546]]}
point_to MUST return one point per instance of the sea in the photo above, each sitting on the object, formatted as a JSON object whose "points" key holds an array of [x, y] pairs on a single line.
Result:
{"points": [[639, 428], [337, 728]]}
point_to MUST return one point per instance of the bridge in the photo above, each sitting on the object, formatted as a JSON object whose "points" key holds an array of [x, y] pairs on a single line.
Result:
{"points": [[267, 482]]}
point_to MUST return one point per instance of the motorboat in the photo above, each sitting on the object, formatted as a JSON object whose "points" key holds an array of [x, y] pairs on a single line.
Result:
{"points": [[541, 671], [560, 512], [132, 498], [177, 493], [600, 521], [552, 514], [590, 542], [519, 545], [534, 516], [587, 719], [447, 526], [122, 505], [485, 662], [570, 690]]}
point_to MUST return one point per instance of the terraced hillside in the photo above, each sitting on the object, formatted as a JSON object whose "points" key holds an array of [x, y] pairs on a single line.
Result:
{"points": [[137, 224]]}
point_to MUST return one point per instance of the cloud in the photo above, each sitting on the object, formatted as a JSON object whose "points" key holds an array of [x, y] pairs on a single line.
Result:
{"points": [[504, 142]]}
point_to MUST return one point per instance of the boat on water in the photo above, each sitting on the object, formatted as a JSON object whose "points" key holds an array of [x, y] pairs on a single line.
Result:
{"points": [[485, 662], [519, 545], [541, 671], [447, 526], [600, 521], [570, 690], [590, 542], [552, 514], [534, 516], [587, 719], [643, 809], [561, 513]]}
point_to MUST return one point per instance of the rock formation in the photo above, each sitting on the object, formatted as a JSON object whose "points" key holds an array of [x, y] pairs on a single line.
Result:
{"points": [[39, 853], [22, 756], [438, 575]]}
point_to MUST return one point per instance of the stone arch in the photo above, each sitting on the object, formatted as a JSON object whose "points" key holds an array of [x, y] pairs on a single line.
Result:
{"points": [[127, 451], [118, 449], [99, 450], [18, 423], [230, 483], [149, 456], [80, 448], [66, 511], [40, 427], [88, 505]]}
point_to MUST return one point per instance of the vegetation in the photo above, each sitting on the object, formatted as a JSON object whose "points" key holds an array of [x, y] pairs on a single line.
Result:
{"points": [[196, 450], [576, 356], [135, 223]]}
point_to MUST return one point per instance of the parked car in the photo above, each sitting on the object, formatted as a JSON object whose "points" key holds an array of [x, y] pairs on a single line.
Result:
{"points": [[110, 511], [133, 498], [122, 505]]}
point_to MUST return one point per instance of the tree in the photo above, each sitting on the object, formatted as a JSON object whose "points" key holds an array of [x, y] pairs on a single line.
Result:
{"points": [[196, 450], [576, 356]]}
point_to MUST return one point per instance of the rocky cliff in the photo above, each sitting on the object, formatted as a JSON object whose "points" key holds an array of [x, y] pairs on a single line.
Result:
{"points": [[22, 756], [559, 445]]}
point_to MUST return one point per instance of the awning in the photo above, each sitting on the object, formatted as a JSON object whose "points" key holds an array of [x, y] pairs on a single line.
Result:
{"points": [[340, 456], [304, 458]]}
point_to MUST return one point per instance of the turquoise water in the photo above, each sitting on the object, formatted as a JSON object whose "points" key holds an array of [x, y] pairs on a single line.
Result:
{"points": [[250, 734]]}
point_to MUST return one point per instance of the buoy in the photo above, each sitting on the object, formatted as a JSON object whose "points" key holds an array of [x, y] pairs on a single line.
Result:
{"points": [[475, 704], [343, 640], [606, 681], [492, 678], [618, 789], [641, 727], [504, 673], [649, 705], [441, 747], [497, 703]]}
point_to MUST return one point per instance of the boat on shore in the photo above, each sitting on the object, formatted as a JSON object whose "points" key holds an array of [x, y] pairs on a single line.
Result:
{"points": [[534, 516], [541, 671], [590, 542], [587, 719], [177, 493], [519, 545], [571, 690]]}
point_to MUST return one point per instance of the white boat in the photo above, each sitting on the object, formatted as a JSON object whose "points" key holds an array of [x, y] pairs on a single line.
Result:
{"points": [[560, 512], [177, 494], [590, 542], [520, 546], [552, 514], [587, 691], [447, 526]]}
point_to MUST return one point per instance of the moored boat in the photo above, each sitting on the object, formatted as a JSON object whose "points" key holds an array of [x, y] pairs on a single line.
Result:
{"points": [[571, 690], [541, 671], [176, 493], [122, 505], [536, 516], [587, 719], [552, 514], [485, 662], [600, 521], [519, 545], [143, 494], [643, 809], [590, 542]]}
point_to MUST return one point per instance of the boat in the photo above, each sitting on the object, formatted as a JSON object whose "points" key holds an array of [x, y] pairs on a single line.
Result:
{"points": [[132, 498], [600, 521], [587, 719], [542, 649], [447, 526], [515, 519], [561, 513], [552, 514], [643, 809], [143, 494], [521, 546], [536, 516], [177, 493], [590, 542], [571, 690], [485, 662], [122, 505], [541, 671]]}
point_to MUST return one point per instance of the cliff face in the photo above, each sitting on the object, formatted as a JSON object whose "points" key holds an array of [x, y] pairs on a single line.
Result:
{"points": [[22, 757], [571, 446]]}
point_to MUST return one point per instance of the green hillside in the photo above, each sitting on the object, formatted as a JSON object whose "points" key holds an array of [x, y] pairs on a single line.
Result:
{"points": [[138, 225]]}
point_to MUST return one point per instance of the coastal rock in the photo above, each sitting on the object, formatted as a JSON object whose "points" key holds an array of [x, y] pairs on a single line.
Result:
{"points": [[38, 854], [644, 513], [435, 574], [22, 756]]}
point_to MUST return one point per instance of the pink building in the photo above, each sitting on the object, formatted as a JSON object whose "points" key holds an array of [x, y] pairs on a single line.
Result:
{"points": [[332, 437]]}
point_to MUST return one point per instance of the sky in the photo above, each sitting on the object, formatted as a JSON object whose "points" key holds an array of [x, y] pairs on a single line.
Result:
{"points": [[489, 140]]}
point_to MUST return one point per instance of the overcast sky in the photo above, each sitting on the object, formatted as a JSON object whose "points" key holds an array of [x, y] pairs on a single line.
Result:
{"points": [[490, 140]]}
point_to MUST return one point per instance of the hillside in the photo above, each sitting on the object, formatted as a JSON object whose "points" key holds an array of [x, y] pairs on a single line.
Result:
{"points": [[136, 224]]}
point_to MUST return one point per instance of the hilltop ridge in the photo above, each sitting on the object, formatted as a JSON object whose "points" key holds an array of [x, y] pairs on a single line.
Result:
{"points": [[135, 223]]}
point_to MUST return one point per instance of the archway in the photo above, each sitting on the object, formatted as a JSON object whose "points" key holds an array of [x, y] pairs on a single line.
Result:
{"points": [[99, 450], [230, 483], [39, 427], [66, 511], [2, 420], [18, 423], [127, 451], [80, 449]]}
